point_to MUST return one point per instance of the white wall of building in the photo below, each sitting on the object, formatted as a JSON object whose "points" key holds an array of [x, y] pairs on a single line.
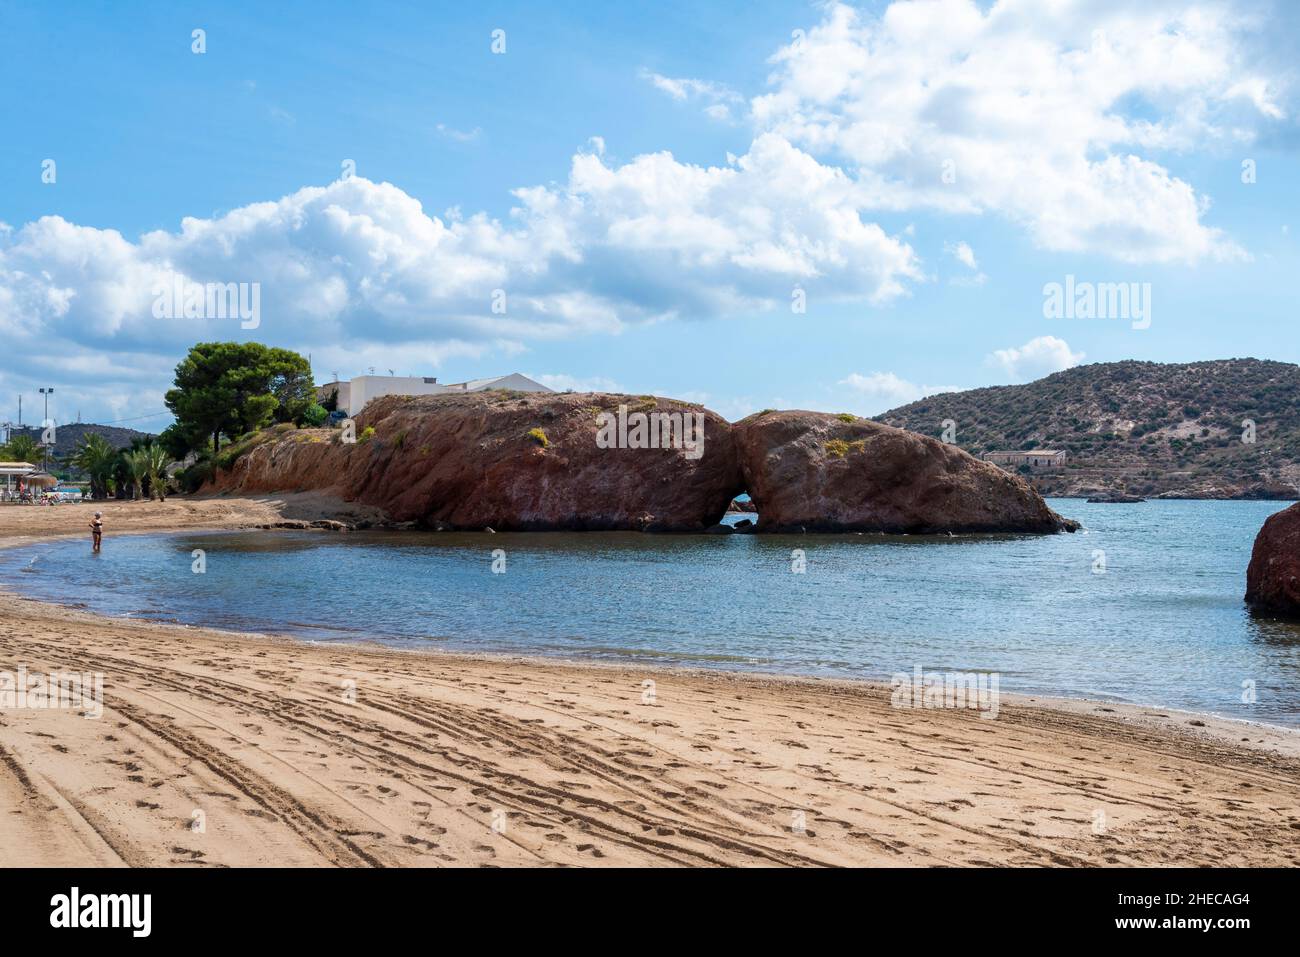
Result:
{"points": [[365, 388]]}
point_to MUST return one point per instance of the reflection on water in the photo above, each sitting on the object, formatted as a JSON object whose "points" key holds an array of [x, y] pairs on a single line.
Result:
{"points": [[1164, 624]]}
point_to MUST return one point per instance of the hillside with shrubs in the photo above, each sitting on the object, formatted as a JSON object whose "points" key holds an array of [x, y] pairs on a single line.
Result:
{"points": [[1228, 428]]}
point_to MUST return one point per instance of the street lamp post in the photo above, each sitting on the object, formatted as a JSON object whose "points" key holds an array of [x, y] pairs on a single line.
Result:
{"points": [[45, 445]]}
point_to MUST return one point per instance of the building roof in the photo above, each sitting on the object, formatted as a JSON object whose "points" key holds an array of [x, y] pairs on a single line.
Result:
{"points": [[473, 385], [470, 385]]}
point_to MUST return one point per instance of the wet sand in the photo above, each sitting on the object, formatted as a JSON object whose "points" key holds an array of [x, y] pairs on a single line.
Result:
{"points": [[289, 753]]}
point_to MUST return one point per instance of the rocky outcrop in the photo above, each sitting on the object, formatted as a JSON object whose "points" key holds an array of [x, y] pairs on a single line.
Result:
{"points": [[528, 461], [741, 505], [1242, 491], [1273, 576], [512, 461], [823, 472]]}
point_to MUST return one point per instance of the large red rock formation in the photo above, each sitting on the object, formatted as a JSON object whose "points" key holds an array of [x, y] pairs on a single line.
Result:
{"points": [[1273, 576], [824, 472], [529, 461], [508, 460]]}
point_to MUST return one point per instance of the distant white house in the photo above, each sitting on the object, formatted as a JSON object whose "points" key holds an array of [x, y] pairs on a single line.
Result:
{"points": [[354, 395]]}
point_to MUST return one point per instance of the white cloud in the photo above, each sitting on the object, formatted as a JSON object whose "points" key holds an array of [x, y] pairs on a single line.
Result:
{"points": [[962, 252], [1035, 359], [460, 136], [1049, 115], [718, 98], [358, 269], [882, 391], [615, 244]]}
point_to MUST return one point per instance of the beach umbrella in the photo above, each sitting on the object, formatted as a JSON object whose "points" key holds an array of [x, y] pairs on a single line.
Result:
{"points": [[40, 479]]}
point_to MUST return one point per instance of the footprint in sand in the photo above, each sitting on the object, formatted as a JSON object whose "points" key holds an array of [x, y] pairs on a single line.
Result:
{"points": [[419, 842]]}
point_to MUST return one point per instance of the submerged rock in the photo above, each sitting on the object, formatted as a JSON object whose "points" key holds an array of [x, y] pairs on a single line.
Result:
{"points": [[505, 460], [1273, 576], [822, 472]]}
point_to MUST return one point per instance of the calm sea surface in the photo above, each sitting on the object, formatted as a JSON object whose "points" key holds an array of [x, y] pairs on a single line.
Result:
{"points": [[1164, 624]]}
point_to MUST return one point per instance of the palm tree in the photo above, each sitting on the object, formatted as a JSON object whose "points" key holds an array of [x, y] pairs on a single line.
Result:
{"points": [[97, 459], [137, 468], [156, 462], [23, 448]]}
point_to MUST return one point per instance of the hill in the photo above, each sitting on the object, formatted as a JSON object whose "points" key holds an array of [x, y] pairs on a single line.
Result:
{"points": [[1154, 429], [68, 437]]}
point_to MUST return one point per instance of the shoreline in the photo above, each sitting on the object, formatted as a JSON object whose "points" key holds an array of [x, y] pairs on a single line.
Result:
{"points": [[1157, 715], [569, 759], [312, 507], [1225, 728]]}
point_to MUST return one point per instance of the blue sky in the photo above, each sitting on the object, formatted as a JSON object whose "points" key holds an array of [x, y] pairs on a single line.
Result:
{"points": [[648, 185]]}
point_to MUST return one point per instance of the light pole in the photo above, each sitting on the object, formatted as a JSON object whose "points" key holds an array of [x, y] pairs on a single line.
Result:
{"points": [[46, 393]]}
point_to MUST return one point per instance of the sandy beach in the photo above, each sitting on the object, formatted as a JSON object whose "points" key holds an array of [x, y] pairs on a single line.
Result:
{"points": [[217, 749]]}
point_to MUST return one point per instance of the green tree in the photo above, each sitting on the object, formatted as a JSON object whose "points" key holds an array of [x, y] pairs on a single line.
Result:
{"points": [[180, 443], [137, 468], [97, 459], [156, 462], [235, 387], [292, 386], [23, 448]]}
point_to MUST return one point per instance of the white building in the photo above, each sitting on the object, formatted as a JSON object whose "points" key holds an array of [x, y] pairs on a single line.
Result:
{"points": [[353, 396]]}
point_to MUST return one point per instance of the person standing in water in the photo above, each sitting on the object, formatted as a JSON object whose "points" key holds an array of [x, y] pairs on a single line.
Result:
{"points": [[97, 530]]}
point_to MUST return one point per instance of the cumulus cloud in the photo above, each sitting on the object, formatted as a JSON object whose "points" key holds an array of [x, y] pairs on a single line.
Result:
{"points": [[1036, 358], [358, 260], [352, 269], [1048, 115], [882, 391]]}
